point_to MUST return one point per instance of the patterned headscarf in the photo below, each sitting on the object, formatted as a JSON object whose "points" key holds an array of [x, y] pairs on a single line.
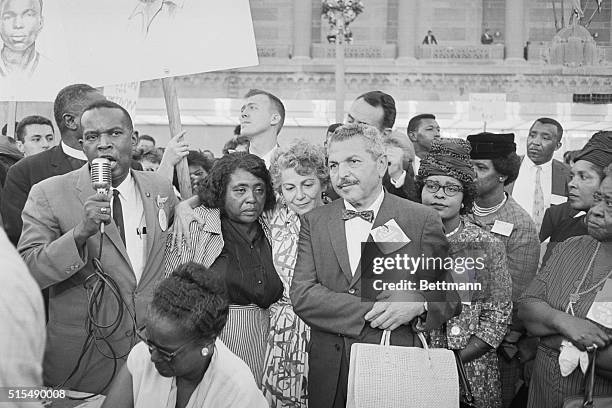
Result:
{"points": [[598, 150], [448, 157]]}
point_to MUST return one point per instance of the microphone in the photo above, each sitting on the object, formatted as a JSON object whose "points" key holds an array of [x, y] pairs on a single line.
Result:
{"points": [[101, 178]]}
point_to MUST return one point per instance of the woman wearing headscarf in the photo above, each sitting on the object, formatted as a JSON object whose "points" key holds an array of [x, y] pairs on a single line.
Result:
{"points": [[568, 219], [299, 176], [556, 304], [180, 362], [446, 182]]}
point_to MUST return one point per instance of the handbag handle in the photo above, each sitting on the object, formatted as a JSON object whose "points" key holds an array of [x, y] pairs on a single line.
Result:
{"points": [[589, 383], [463, 381], [385, 339]]}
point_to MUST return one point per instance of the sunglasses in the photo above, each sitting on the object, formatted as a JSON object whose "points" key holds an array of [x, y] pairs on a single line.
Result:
{"points": [[168, 356]]}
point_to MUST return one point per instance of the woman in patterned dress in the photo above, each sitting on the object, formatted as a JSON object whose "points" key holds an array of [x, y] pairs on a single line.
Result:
{"points": [[446, 181], [556, 304], [299, 176]]}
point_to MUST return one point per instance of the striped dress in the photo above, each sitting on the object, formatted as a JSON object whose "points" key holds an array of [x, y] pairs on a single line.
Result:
{"points": [[553, 285]]}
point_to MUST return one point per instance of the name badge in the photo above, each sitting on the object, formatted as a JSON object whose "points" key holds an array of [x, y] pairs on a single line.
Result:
{"points": [[502, 228], [161, 214]]}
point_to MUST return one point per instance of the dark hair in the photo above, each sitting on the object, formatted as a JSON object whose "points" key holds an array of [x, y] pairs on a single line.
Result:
{"points": [[146, 137], [415, 121], [31, 120], [379, 98], [233, 143], [196, 158], [111, 105], [69, 100], [508, 166], [237, 130], [332, 128], [153, 156], [214, 187], [195, 298], [5, 128], [275, 101], [549, 121]]}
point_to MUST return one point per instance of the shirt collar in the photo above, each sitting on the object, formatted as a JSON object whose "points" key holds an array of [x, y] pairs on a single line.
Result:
{"points": [[374, 207], [127, 187], [77, 154], [400, 180], [268, 156], [532, 165]]}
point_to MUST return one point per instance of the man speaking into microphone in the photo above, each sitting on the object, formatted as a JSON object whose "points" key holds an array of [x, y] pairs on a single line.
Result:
{"points": [[100, 281]]}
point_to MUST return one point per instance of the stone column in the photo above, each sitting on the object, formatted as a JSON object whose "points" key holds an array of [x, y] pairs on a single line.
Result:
{"points": [[302, 28], [407, 22], [514, 30]]}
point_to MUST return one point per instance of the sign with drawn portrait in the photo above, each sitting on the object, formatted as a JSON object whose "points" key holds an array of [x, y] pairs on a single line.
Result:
{"points": [[47, 44]]}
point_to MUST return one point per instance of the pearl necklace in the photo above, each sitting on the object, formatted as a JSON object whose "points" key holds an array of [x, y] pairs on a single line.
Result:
{"points": [[483, 212], [453, 232]]}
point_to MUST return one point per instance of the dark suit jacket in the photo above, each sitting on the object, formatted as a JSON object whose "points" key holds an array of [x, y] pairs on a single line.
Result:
{"points": [[560, 223], [326, 295], [560, 178], [20, 179], [407, 190], [54, 207]]}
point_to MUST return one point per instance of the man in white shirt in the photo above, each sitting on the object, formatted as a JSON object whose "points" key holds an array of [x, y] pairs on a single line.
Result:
{"points": [[261, 119], [99, 284], [328, 292], [422, 129], [542, 180]]}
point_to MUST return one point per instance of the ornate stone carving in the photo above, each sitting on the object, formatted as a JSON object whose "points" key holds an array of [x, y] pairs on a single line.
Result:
{"points": [[462, 52], [355, 51]]}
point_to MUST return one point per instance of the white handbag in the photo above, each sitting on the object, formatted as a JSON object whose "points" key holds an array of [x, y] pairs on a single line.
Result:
{"points": [[385, 376]]}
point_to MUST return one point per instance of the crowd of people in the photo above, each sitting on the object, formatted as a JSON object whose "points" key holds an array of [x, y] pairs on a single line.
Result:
{"points": [[251, 292]]}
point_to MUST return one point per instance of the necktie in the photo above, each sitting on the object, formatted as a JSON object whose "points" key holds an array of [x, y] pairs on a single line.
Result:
{"points": [[538, 199], [118, 214], [367, 215]]}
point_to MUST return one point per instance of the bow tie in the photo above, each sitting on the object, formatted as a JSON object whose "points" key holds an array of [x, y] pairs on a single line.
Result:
{"points": [[367, 215]]}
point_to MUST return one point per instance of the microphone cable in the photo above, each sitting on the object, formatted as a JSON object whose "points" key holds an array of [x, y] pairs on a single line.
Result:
{"points": [[96, 285]]}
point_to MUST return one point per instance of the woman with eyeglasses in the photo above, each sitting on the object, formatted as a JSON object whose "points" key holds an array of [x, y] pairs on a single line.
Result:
{"points": [[560, 307], [446, 181], [180, 362]]}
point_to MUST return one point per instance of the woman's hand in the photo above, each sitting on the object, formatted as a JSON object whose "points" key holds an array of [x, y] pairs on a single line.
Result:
{"points": [[176, 149], [583, 333], [184, 215]]}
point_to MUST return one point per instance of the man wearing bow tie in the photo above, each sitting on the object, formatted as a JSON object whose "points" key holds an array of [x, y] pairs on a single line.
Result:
{"points": [[328, 292]]}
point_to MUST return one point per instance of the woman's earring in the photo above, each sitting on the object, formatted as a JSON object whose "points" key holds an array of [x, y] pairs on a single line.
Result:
{"points": [[205, 351], [501, 179], [462, 205]]}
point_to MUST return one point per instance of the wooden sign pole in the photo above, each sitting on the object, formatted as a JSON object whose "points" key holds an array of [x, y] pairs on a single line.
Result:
{"points": [[174, 120], [11, 119]]}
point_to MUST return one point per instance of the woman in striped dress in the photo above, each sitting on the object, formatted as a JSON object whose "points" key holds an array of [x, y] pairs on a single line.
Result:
{"points": [[557, 302], [238, 186], [299, 176]]}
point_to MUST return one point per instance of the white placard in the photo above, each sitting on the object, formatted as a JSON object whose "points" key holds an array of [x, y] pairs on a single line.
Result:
{"points": [[102, 42], [125, 95], [487, 107]]}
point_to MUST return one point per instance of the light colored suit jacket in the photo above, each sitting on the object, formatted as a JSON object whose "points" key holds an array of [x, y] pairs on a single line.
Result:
{"points": [[52, 211], [327, 296]]}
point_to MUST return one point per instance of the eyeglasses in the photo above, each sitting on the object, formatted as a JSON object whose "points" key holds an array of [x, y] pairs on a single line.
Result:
{"points": [[449, 189], [598, 198], [166, 355]]}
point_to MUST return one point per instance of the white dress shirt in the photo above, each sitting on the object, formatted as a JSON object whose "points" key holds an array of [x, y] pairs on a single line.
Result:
{"points": [[416, 163], [524, 186], [357, 231], [133, 223], [77, 154], [400, 180], [269, 156]]}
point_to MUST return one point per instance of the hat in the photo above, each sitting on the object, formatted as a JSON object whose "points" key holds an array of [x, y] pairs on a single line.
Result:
{"points": [[598, 150], [448, 157], [491, 145]]}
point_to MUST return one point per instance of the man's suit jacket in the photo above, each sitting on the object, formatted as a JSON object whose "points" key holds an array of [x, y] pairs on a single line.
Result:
{"points": [[408, 190], [560, 178], [20, 179], [53, 209], [326, 295]]}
